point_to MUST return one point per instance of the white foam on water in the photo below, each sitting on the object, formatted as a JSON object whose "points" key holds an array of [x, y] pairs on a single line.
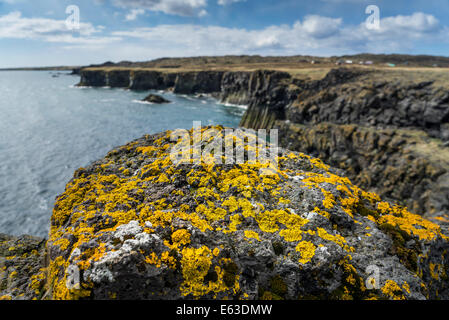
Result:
{"points": [[142, 102], [240, 106]]}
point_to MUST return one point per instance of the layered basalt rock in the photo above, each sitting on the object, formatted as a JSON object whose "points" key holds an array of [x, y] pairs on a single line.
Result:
{"points": [[350, 97], [150, 80], [198, 82]]}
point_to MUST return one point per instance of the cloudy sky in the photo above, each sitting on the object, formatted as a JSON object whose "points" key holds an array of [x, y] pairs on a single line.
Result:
{"points": [[35, 32]]}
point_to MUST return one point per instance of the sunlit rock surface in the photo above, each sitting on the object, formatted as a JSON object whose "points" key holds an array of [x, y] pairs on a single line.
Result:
{"points": [[136, 226]]}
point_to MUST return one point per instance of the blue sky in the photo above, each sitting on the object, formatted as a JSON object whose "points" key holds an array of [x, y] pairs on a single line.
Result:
{"points": [[35, 33]]}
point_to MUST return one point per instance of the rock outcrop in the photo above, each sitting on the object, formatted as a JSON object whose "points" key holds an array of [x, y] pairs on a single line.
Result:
{"points": [[351, 97], [136, 226], [154, 98], [22, 267]]}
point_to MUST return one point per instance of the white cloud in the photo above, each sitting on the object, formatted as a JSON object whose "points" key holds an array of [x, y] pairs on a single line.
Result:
{"points": [[187, 8], [226, 2], [316, 35], [418, 22], [14, 26], [133, 14], [397, 33], [313, 35], [321, 27]]}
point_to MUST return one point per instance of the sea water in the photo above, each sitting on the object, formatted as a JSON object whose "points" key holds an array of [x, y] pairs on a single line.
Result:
{"points": [[49, 128]]}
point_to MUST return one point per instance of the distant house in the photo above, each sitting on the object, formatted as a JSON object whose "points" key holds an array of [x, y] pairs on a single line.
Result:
{"points": [[391, 65], [368, 63], [339, 62], [348, 61]]}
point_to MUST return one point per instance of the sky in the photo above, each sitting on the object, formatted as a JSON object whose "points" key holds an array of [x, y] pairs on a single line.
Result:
{"points": [[46, 32]]}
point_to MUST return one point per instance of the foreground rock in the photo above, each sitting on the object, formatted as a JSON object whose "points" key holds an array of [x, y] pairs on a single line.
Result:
{"points": [[22, 267], [154, 98], [135, 226]]}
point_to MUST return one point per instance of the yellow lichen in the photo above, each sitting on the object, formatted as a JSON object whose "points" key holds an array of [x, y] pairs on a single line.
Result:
{"points": [[307, 250], [392, 290], [252, 235], [118, 200]]}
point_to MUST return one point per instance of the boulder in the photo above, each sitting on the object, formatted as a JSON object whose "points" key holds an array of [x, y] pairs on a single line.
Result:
{"points": [[154, 98], [134, 225]]}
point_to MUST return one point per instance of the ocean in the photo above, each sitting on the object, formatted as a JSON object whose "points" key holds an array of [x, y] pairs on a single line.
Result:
{"points": [[49, 128]]}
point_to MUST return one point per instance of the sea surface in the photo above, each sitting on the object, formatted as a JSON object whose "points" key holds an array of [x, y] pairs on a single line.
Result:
{"points": [[49, 128]]}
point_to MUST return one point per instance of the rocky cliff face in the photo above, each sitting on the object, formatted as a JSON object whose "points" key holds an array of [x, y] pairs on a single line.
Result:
{"points": [[391, 138], [349, 97], [265, 92]]}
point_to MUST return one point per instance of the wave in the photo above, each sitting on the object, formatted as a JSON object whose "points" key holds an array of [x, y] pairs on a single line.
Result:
{"points": [[227, 104], [142, 102]]}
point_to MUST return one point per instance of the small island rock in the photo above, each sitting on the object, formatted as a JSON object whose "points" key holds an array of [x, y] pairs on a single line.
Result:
{"points": [[153, 98]]}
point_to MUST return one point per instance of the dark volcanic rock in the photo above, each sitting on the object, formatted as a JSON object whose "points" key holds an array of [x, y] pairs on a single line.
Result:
{"points": [[154, 98], [93, 78], [198, 82], [341, 98]]}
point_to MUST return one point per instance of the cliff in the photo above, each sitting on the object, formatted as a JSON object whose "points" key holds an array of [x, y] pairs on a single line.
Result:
{"points": [[264, 91], [136, 226]]}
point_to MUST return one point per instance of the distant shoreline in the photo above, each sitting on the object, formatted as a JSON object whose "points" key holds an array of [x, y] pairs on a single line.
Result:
{"points": [[60, 68], [261, 62]]}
